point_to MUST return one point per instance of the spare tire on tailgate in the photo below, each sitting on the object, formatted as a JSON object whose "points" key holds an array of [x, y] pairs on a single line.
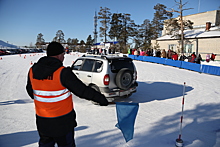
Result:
{"points": [[124, 78]]}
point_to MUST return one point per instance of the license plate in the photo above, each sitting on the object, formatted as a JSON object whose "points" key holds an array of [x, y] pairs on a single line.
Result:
{"points": [[124, 92]]}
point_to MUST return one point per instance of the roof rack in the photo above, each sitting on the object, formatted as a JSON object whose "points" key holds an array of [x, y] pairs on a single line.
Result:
{"points": [[105, 56]]}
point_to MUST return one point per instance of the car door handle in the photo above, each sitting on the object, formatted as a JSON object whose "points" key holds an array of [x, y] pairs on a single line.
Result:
{"points": [[89, 76], [77, 73]]}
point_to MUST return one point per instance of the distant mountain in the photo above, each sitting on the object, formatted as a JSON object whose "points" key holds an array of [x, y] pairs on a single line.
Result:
{"points": [[4, 45]]}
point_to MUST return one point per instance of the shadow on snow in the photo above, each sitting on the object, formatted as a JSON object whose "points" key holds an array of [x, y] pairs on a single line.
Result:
{"points": [[147, 92], [24, 138], [19, 139], [200, 129], [21, 101]]}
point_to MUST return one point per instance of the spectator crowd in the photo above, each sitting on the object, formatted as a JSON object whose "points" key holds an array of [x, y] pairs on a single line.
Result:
{"points": [[170, 54]]}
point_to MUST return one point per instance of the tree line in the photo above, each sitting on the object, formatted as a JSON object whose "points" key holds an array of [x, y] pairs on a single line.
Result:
{"points": [[120, 27]]}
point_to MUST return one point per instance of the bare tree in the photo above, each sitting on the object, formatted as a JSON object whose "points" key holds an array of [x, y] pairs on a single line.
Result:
{"points": [[180, 11]]}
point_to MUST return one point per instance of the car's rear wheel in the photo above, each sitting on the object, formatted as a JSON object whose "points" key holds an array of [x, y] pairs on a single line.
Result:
{"points": [[124, 78], [95, 87]]}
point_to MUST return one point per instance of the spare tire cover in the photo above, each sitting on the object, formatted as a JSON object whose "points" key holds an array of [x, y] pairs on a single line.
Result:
{"points": [[124, 78]]}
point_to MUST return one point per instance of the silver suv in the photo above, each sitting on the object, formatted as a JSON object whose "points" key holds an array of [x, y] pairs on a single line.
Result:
{"points": [[113, 76]]}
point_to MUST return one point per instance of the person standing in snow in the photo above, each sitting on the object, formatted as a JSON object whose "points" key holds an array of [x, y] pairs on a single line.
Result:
{"points": [[148, 52], [198, 59], [169, 54], [136, 52], [207, 58], [50, 85], [182, 57], [142, 53], [212, 57], [158, 53], [174, 56], [193, 57], [163, 54]]}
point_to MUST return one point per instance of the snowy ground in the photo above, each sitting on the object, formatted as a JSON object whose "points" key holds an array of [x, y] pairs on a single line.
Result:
{"points": [[157, 124]]}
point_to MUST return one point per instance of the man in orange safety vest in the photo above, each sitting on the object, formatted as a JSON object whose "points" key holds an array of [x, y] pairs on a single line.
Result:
{"points": [[50, 85]]}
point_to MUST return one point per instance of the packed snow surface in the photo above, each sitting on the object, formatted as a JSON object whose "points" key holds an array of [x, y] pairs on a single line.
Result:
{"points": [[160, 95]]}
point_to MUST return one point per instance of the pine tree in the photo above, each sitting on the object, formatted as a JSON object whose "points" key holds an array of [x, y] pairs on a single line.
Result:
{"points": [[145, 34], [116, 26], [89, 42], [59, 37], [40, 41], [104, 14], [159, 16], [75, 43]]}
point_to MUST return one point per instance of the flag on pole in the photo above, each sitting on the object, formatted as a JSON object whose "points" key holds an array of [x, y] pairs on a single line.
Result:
{"points": [[126, 114]]}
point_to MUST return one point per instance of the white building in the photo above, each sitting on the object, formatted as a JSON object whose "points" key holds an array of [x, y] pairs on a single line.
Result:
{"points": [[203, 39]]}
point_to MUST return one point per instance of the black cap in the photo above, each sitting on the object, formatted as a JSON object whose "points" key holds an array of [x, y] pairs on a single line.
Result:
{"points": [[54, 48]]}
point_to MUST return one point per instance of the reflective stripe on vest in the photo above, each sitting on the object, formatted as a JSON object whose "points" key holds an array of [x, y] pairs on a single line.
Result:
{"points": [[56, 99], [60, 95], [51, 98]]}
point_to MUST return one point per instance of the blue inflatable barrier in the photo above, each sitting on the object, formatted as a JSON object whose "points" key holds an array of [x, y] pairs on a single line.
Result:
{"points": [[149, 59], [214, 70], [191, 66], [175, 63], [140, 58], [131, 56], [161, 60]]}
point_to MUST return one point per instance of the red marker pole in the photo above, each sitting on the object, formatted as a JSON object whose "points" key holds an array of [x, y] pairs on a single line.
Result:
{"points": [[179, 141]]}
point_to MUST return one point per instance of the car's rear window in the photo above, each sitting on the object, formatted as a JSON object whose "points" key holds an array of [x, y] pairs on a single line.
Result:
{"points": [[118, 64]]}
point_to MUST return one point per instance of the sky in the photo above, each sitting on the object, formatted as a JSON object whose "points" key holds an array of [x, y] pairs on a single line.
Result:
{"points": [[157, 124], [22, 20]]}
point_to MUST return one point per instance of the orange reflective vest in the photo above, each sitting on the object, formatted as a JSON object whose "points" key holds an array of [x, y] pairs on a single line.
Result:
{"points": [[50, 97]]}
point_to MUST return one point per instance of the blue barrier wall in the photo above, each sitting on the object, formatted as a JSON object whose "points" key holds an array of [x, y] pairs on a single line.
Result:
{"points": [[191, 66], [210, 69], [213, 70], [175, 63]]}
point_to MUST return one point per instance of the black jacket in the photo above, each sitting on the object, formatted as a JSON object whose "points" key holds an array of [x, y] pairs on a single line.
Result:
{"points": [[61, 125]]}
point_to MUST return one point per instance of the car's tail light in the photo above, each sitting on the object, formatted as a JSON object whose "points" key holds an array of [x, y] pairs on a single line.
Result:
{"points": [[106, 79]]}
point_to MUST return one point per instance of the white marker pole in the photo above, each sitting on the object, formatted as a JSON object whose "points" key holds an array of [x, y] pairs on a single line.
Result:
{"points": [[179, 141]]}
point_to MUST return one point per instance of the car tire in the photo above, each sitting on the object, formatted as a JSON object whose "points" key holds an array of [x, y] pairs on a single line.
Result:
{"points": [[124, 78], [95, 87]]}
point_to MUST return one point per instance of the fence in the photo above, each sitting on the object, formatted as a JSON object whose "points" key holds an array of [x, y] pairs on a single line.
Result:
{"points": [[213, 70]]}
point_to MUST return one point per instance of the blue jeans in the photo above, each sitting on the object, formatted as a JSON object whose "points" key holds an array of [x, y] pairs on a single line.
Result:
{"points": [[63, 141]]}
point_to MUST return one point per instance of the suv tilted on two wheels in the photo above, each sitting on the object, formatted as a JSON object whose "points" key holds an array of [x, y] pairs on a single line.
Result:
{"points": [[113, 76]]}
